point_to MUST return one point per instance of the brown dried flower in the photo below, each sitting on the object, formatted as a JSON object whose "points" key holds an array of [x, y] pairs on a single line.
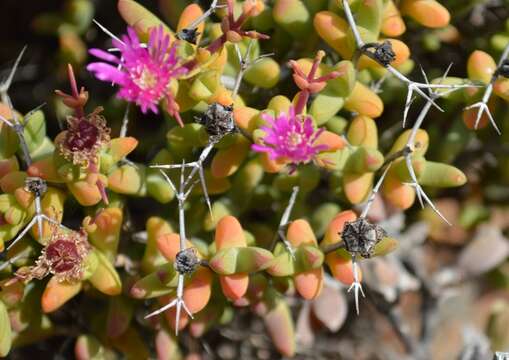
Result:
{"points": [[63, 257], [84, 138]]}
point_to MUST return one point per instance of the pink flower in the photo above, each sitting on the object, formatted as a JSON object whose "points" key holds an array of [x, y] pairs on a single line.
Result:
{"points": [[290, 138], [142, 72]]}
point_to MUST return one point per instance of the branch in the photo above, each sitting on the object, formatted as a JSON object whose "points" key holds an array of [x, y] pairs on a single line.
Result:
{"points": [[483, 104], [412, 85], [245, 63], [213, 7], [125, 122], [15, 124], [283, 223], [197, 166], [182, 194], [410, 145], [37, 187], [356, 285]]}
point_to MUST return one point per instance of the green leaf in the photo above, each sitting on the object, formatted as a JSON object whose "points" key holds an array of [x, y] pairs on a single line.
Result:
{"points": [[282, 265], [35, 129], [139, 17], [8, 141], [120, 312], [441, 175], [88, 347], [325, 105], [385, 246], [5, 331], [279, 323], [237, 260], [160, 282], [105, 278], [308, 257], [343, 85], [80, 13]]}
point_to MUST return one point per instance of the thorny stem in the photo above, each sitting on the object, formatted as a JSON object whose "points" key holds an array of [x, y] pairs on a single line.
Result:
{"points": [[11, 261], [356, 284], [197, 166], [333, 247], [412, 85], [125, 122], [16, 125], [245, 63], [406, 152], [18, 128], [182, 193], [483, 104], [375, 190], [38, 218], [123, 134], [283, 223], [408, 159], [205, 15]]}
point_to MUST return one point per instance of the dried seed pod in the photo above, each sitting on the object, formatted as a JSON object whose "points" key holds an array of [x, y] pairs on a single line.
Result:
{"points": [[36, 186], [360, 237], [218, 121], [189, 35], [64, 256], [186, 261], [383, 53], [503, 69], [84, 138]]}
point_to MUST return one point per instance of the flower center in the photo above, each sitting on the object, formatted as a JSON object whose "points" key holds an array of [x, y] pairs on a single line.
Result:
{"points": [[146, 79], [294, 139], [63, 255], [82, 137]]}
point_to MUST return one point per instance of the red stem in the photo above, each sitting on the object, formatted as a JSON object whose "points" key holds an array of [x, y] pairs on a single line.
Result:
{"points": [[74, 88], [92, 167], [301, 101]]}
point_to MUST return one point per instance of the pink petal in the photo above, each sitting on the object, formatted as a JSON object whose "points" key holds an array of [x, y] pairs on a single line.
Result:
{"points": [[107, 72], [103, 55]]}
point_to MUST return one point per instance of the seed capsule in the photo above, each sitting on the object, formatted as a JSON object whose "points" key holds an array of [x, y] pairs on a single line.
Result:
{"points": [[186, 261], [360, 237], [382, 53], [189, 35], [218, 121], [36, 185]]}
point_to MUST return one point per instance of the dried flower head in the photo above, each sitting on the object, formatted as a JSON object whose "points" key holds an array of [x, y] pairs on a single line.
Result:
{"points": [[290, 137], [143, 72], [503, 69], [186, 261], [36, 185], [189, 35], [382, 53], [218, 121], [63, 256], [84, 138], [360, 237]]}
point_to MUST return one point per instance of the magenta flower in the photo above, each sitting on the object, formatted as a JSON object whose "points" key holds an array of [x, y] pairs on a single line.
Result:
{"points": [[290, 138], [142, 72]]}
